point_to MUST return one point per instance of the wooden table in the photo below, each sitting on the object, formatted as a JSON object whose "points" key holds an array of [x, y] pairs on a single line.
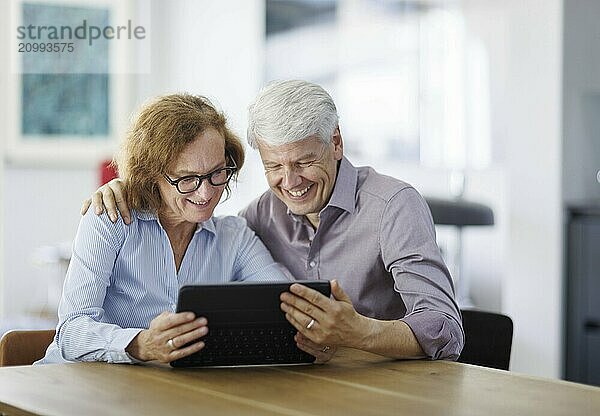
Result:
{"points": [[354, 383]]}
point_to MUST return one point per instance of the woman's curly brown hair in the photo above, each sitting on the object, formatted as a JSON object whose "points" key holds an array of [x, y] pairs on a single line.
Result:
{"points": [[159, 133]]}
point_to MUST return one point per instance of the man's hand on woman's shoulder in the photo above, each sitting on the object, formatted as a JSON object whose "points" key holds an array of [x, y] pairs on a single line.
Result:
{"points": [[110, 196]]}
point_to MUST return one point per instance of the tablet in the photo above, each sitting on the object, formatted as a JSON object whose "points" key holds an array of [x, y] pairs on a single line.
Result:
{"points": [[246, 326]]}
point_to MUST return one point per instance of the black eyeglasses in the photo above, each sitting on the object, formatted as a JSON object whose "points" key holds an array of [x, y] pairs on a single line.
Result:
{"points": [[190, 183]]}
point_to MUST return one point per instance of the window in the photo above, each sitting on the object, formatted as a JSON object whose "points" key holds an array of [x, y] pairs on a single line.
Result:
{"points": [[397, 71]]}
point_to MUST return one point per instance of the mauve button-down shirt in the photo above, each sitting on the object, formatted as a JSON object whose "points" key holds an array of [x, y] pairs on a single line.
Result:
{"points": [[376, 236]]}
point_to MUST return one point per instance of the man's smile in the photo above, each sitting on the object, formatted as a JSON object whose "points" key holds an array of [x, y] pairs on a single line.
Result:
{"points": [[299, 193]]}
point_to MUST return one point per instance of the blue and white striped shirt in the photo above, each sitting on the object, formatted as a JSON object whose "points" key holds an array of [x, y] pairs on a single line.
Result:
{"points": [[121, 277]]}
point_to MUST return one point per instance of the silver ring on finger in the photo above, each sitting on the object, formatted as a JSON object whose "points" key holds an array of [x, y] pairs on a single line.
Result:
{"points": [[326, 348], [171, 345], [310, 324]]}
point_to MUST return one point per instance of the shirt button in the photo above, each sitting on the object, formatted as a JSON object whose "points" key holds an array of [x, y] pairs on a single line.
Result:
{"points": [[312, 264], [174, 307]]}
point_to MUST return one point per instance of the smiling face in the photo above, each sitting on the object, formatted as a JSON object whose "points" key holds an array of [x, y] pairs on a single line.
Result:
{"points": [[204, 155], [302, 174]]}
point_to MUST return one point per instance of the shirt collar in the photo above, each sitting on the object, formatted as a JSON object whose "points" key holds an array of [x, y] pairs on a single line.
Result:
{"points": [[344, 191], [208, 225]]}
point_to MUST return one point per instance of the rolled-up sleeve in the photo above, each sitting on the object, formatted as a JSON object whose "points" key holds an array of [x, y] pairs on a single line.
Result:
{"points": [[412, 256]]}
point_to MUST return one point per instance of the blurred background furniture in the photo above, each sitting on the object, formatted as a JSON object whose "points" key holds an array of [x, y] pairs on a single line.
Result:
{"points": [[460, 213], [488, 339], [53, 261], [24, 347], [582, 334]]}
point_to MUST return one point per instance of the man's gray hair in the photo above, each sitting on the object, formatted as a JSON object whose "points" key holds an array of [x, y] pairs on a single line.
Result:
{"points": [[288, 111]]}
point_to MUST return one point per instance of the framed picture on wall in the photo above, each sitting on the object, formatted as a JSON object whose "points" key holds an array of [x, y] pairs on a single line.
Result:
{"points": [[70, 62]]}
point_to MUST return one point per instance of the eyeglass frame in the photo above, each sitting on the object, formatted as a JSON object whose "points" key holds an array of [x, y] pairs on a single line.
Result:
{"points": [[201, 178]]}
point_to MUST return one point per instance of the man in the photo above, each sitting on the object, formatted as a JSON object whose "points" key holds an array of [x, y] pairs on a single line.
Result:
{"points": [[325, 219]]}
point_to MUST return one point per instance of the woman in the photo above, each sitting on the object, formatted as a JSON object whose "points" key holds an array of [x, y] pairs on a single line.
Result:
{"points": [[122, 285]]}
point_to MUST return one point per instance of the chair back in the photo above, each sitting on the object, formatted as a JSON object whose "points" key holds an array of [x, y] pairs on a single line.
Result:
{"points": [[24, 347], [488, 339]]}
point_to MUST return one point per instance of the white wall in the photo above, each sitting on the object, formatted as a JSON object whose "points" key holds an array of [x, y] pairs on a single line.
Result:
{"points": [[42, 209], [524, 40], [533, 285], [4, 80]]}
